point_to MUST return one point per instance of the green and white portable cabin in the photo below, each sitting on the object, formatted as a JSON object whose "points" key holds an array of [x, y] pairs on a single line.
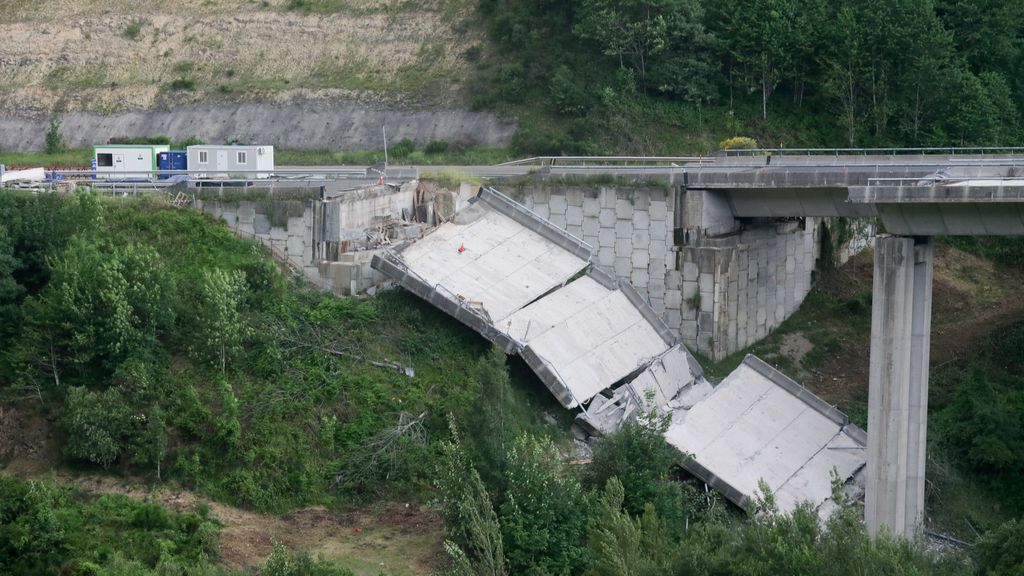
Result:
{"points": [[126, 161]]}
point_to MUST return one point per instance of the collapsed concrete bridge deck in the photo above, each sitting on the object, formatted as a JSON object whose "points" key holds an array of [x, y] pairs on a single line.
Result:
{"points": [[531, 289]]}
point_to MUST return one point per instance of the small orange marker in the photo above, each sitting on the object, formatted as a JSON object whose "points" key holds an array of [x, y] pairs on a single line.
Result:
{"points": [[358, 530], [462, 248]]}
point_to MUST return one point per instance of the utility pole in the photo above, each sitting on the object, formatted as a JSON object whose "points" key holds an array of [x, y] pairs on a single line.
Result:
{"points": [[384, 130]]}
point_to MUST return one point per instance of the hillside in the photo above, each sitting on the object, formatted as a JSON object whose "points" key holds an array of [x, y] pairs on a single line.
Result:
{"points": [[584, 76], [65, 56], [162, 380]]}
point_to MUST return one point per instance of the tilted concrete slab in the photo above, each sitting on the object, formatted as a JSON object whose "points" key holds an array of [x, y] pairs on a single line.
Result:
{"points": [[673, 381], [760, 425], [587, 336], [488, 258]]}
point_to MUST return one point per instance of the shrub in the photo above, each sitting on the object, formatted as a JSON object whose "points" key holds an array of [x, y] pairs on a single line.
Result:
{"points": [[98, 425], [738, 143], [182, 84], [569, 94], [436, 147], [54, 139], [189, 141], [403, 148], [1001, 551], [134, 29], [542, 522]]}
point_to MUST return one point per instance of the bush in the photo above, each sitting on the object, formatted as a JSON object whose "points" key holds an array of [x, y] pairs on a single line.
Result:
{"points": [[738, 143], [403, 148], [569, 93], [54, 139], [1001, 551], [189, 141], [143, 140], [283, 562], [134, 29], [98, 425], [436, 147], [640, 458], [543, 523], [182, 84]]}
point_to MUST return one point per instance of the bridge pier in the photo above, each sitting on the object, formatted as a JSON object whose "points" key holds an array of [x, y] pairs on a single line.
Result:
{"points": [[898, 384]]}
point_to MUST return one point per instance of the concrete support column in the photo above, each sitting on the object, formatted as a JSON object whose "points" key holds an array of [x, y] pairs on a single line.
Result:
{"points": [[898, 387]]}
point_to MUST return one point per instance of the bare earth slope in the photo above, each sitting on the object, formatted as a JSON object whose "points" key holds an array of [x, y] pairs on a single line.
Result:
{"points": [[106, 58]]}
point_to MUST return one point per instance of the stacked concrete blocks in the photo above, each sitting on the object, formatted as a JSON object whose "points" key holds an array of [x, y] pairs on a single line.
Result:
{"points": [[629, 230], [721, 292]]}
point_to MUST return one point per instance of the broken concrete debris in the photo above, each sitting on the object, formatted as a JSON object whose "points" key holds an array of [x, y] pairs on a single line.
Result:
{"points": [[532, 289]]}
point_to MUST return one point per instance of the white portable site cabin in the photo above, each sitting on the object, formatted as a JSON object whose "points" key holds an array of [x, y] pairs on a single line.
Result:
{"points": [[230, 161], [126, 161]]}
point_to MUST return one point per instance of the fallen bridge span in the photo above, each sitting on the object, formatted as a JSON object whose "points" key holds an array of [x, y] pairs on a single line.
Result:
{"points": [[531, 289]]}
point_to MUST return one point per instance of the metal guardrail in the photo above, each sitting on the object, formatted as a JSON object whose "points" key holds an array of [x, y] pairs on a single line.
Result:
{"points": [[606, 160], [954, 150]]}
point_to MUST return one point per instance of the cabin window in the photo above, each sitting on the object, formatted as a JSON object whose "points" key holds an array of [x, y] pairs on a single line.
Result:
{"points": [[105, 159], [241, 158], [204, 157]]}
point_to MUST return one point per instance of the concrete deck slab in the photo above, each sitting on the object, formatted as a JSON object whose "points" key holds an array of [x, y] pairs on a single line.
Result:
{"points": [[759, 425], [503, 266], [589, 335]]}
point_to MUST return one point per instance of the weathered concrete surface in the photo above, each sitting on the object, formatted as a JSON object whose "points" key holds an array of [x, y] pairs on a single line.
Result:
{"points": [[757, 425], [327, 240], [589, 334], [898, 385], [491, 261], [337, 125]]}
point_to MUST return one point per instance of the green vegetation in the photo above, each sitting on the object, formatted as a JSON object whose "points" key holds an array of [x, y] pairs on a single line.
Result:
{"points": [[678, 76], [134, 29], [624, 515], [1003, 250], [171, 348], [54, 139], [437, 153], [182, 84], [44, 527], [976, 426], [167, 348]]}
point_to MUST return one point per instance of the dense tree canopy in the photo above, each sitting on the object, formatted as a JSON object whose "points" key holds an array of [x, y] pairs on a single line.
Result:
{"points": [[898, 72]]}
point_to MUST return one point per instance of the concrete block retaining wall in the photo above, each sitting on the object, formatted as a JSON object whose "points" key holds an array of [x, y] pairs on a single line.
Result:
{"points": [[719, 296], [306, 235]]}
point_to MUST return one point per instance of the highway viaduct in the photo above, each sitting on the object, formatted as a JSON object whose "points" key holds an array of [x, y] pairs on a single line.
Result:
{"points": [[914, 198]]}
